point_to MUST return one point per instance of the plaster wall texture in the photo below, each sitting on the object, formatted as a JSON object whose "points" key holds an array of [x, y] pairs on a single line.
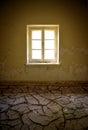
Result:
{"points": [[73, 51]]}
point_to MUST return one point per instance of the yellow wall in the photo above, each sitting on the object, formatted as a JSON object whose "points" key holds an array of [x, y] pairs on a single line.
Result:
{"points": [[72, 18]]}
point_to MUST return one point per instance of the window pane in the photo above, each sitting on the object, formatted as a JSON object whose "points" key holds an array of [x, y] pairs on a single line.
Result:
{"points": [[36, 44], [49, 44], [36, 54], [49, 34], [49, 54], [36, 34]]}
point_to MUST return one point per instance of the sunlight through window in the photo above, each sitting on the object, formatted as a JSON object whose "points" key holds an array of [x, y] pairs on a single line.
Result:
{"points": [[43, 44], [36, 34], [36, 44], [49, 44], [36, 54], [49, 54], [49, 34]]}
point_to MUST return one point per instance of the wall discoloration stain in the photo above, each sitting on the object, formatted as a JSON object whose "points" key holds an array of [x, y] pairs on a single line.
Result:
{"points": [[71, 17]]}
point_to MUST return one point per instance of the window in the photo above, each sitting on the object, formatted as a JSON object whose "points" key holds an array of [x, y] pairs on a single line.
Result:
{"points": [[42, 44]]}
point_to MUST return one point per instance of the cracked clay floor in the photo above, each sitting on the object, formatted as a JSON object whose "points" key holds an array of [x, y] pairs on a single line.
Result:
{"points": [[62, 109]]}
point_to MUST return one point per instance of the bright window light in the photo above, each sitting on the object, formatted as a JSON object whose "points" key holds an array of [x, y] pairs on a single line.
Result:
{"points": [[49, 44], [36, 34], [49, 54], [43, 44], [36, 44], [36, 54], [49, 34]]}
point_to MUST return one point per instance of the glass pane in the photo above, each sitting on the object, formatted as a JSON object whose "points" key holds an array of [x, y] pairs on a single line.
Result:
{"points": [[36, 54], [49, 34], [36, 44], [49, 54], [36, 34], [49, 44]]}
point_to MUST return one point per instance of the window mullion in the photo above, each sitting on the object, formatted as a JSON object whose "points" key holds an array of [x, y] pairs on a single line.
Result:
{"points": [[43, 45]]}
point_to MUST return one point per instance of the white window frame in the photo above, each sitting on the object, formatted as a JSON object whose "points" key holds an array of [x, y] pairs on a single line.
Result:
{"points": [[42, 61]]}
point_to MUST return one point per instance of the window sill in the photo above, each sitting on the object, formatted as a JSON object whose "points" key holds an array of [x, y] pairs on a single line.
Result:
{"points": [[28, 64]]}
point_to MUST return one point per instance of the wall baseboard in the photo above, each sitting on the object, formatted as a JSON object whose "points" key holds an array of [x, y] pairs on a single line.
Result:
{"points": [[14, 87], [53, 83]]}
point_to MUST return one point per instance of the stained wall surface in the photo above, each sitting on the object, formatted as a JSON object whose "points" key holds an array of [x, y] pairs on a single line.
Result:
{"points": [[72, 18]]}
